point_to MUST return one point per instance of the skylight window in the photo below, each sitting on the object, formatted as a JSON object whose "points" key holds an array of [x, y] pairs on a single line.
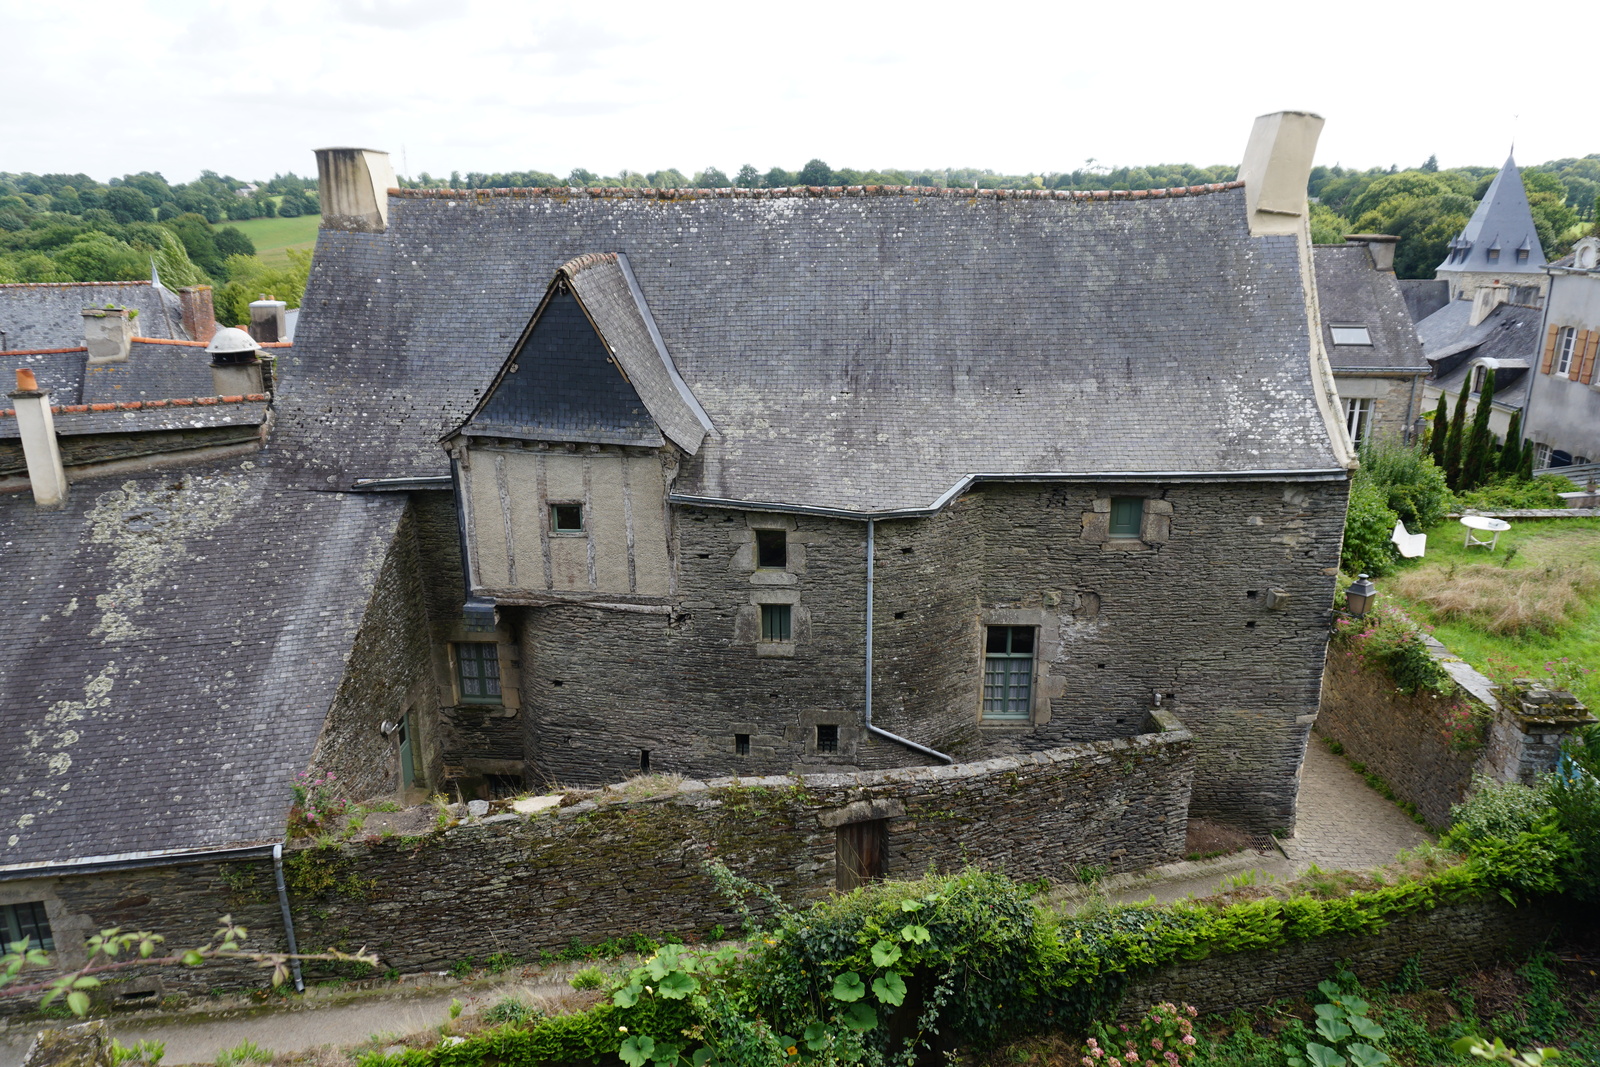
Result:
{"points": [[1351, 335]]}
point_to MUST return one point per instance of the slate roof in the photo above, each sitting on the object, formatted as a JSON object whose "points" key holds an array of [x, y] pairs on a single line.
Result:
{"points": [[1351, 291], [156, 369], [169, 650], [1424, 296], [1502, 223], [854, 351], [1508, 334], [47, 314]]}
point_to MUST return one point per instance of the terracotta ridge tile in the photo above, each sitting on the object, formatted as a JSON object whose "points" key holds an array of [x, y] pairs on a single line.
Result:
{"points": [[809, 191], [42, 351]]}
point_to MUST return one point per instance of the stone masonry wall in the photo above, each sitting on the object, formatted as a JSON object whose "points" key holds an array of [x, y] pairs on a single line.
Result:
{"points": [[624, 863], [1451, 940], [1400, 738], [386, 675], [1182, 616]]}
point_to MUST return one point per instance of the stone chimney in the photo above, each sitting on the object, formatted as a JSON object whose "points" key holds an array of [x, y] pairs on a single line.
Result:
{"points": [[108, 332], [40, 449], [267, 319], [353, 185], [235, 363], [1379, 245], [199, 315], [1486, 299], [1276, 167]]}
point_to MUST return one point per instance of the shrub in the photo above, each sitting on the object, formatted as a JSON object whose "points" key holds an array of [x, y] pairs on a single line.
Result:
{"points": [[1163, 1037], [1388, 640], [510, 1010], [1413, 486], [589, 978], [1510, 494], [1495, 809], [1576, 800], [1368, 525]]}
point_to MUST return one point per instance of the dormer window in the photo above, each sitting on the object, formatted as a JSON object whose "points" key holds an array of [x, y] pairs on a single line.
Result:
{"points": [[1479, 373], [1494, 254], [1350, 335], [1522, 255]]}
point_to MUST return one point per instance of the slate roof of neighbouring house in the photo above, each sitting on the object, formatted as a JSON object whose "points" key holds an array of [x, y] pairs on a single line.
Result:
{"points": [[40, 315], [170, 646], [1424, 296], [1502, 223], [855, 350], [1508, 334], [1351, 291]]}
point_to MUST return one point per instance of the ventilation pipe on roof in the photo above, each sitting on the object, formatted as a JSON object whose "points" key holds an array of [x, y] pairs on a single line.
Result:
{"points": [[1276, 167], [40, 449], [108, 334], [235, 363], [353, 185]]}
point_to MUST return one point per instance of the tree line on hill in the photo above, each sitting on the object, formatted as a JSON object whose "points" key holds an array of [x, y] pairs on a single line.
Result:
{"points": [[71, 228]]}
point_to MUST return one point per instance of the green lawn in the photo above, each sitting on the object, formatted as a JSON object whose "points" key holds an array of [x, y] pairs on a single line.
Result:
{"points": [[273, 237], [1553, 546]]}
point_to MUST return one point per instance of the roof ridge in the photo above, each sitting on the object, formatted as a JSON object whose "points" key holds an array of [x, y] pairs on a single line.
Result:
{"points": [[186, 344], [580, 263], [811, 192], [69, 285], [136, 405], [42, 351]]}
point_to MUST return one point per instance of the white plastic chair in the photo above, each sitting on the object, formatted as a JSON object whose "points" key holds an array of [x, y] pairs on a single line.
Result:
{"points": [[1410, 545]]}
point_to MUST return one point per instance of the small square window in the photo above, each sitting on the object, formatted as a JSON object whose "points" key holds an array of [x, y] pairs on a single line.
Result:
{"points": [[772, 549], [478, 672], [18, 921], [1127, 516], [741, 744], [776, 622], [827, 737], [566, 518], [1350, 335]]}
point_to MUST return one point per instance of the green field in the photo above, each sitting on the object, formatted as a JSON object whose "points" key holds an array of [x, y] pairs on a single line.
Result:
{"points": [[274, 237]]}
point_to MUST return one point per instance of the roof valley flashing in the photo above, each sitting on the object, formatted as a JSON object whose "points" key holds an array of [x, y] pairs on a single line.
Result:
{"points": [[873, 385]]}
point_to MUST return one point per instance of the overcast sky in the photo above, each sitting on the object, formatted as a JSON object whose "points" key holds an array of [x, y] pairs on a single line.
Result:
{"points": [[113, 87]]}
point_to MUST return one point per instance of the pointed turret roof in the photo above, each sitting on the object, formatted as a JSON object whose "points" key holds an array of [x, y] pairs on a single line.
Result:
{"points": [[1501, 237]]}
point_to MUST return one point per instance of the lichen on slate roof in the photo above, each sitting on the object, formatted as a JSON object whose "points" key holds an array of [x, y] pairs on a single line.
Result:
{"points": [[862, 353], [169, 651]]}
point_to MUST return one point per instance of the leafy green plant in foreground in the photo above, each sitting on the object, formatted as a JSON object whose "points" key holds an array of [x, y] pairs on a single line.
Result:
{"points": [[1344, 1035]]}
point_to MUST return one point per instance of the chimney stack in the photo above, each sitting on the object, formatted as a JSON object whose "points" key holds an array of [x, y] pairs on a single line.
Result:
{"points": [[108, 333], [267, 319], [353, 185], [1276, 167], [40, 449], [1485, 300], [1379, 245], [199, 314], [235, 363]]}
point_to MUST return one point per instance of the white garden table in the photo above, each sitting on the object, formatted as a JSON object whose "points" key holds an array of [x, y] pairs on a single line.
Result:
{"points": [[1475, 523]]}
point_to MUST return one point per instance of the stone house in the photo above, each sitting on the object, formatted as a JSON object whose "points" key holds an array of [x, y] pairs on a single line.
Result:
{"points": [[562, 486], [1371, 340], [1563, 397]]}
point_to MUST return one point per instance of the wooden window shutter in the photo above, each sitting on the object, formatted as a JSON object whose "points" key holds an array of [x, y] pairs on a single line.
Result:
{"points": [[1590, 341], [1549, 350], [1579, 346]]}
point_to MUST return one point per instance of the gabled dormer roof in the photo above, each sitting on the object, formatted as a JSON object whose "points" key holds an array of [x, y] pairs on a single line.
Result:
{"points": [[591, 367], [1502, 220]]}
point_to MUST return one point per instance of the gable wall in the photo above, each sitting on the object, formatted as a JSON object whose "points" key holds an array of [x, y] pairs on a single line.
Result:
{"points": [[1563, 413]]}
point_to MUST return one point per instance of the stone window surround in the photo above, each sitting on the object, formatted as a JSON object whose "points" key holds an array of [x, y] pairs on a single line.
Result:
{"points": [[1046, 649], [747, 622], [1155, 530], [850, 732], [744, 559], [510, 675]]}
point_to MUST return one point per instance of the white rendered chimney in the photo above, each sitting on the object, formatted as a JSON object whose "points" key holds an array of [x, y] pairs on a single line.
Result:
{"points": [[108, 333], [39, 446], [353, 186], [1485, 300], [1276, 167], [267, 319], [1379, 245]]}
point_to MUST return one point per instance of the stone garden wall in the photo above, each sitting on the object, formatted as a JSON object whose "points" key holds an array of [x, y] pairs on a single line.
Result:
{"points": [[627, 860]]}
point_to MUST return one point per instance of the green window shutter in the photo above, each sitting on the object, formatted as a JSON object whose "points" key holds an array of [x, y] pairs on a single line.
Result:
{"points": [[1127, 515]]}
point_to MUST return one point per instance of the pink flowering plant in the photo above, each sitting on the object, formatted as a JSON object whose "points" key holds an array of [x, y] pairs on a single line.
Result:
{"points": [[1386, 639], [1466, 726], [1161, 1037], [317, 806], [1566, 675]]}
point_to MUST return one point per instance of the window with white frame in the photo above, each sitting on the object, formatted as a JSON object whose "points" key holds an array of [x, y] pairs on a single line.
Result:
{"points": [[1358, 418], [1566, 341]]}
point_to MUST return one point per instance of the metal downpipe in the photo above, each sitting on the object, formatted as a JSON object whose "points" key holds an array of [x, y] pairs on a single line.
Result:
{"points": [[872, 527], [288, 920]]}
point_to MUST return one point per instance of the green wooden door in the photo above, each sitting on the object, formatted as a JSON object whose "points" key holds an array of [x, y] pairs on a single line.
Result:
{"points": [[408, 768]]}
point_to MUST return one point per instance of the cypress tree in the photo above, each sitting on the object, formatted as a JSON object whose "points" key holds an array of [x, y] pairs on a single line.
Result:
{"points": [[1526, 473], [1477, 457], [1452, 445], [1439, 431], [1511, 451]]}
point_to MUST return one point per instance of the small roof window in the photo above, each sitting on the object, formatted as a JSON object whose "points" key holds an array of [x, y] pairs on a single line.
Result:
{"points": [[1350, 335]]}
